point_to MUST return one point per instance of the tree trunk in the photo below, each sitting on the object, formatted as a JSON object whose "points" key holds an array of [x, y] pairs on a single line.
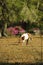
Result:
{"points": [[4, 30]]}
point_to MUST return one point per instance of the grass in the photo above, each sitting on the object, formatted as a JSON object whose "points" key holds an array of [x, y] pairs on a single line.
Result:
{"points": [[11, 51]]}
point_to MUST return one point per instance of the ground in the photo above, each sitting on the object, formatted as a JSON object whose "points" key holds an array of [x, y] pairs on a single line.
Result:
{"points": [[11, 51]]}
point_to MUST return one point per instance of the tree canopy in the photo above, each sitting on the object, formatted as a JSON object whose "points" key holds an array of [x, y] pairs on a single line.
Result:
{"points": [[16, 10]]}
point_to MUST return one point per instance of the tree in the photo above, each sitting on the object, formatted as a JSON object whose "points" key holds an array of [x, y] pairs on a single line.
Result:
{"points": [[16, 10], [3, 15]]}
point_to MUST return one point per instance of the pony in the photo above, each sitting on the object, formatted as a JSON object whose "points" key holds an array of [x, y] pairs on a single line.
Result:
{"points": [[25, 37]]}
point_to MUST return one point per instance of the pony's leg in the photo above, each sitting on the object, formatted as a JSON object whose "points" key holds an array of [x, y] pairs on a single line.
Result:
{"points": [[23, 42], [27, 42]]}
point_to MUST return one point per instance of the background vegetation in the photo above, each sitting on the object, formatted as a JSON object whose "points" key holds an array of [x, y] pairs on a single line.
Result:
{"points": [[16, 11]]}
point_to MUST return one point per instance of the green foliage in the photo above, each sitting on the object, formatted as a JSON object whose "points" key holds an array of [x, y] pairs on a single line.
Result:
{"points": [[16, 10]]}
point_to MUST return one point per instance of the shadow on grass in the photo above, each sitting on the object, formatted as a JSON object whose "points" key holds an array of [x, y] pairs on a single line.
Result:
{"points": [[21, 63]]}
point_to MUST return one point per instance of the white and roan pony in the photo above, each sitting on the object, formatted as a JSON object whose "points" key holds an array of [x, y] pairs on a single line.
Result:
{"points": [[25, 37]]}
